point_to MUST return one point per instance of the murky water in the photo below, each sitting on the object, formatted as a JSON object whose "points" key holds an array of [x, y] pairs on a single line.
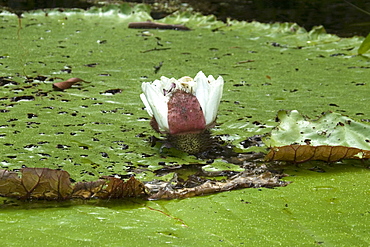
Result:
{"points": [[341, 17], [337, 16]]}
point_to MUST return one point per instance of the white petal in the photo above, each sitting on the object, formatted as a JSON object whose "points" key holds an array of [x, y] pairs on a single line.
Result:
{"points": [[209, 93], [146, 103], [215, 94], [157, 102], [164, 83], [211, 78], [202, 90]]}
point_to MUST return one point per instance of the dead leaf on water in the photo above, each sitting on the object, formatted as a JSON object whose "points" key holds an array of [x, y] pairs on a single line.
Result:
{"points": [[52, 184], [66, 84]]}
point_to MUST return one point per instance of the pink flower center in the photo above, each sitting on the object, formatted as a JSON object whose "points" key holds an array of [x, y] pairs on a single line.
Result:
{"points": [[185, 113]]}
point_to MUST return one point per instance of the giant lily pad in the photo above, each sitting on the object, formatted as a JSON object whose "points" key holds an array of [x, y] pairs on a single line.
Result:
{"points": [[365, 45], [100, 128], [331, 129], [331, 138]]}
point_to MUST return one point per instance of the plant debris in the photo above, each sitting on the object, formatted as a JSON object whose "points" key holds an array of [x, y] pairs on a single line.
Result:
{"points": [[52, 184], [250, 178], [66, 84], [156, 25]]}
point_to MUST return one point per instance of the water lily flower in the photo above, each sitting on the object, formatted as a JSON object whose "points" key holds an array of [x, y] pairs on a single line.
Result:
{"points": [[184, 107]]}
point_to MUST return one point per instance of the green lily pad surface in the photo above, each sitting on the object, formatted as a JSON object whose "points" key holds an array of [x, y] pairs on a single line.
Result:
{"points": [[365, 45], [331, 129], [99, 127]]}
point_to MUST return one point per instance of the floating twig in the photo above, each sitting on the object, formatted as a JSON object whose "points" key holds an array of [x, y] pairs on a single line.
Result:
{"points": [[156, 25], [245, 61], [156, 49]]}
